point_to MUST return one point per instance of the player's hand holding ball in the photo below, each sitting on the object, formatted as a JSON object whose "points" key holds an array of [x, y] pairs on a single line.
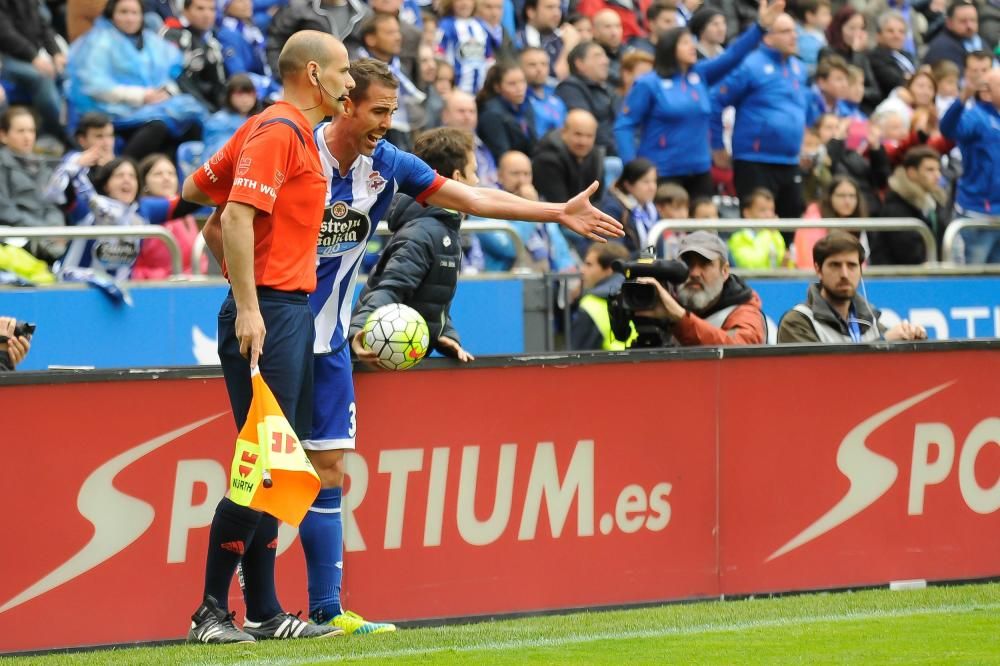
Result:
{"points": [[395, 337]]}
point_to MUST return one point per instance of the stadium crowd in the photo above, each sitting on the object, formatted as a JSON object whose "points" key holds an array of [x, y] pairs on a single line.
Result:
{"points": [[835, 109]]}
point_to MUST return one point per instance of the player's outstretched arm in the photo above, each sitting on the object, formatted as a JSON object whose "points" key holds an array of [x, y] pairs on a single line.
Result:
{"points": [[577, 214]]}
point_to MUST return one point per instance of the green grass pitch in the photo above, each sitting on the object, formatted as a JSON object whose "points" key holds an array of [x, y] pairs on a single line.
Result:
{"points": [[938, 625]]}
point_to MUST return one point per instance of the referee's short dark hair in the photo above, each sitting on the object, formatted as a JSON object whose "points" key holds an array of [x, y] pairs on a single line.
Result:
{"points": [[445, 149], [365, 72]]}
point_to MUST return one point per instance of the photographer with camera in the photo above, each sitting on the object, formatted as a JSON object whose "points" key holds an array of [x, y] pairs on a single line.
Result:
{"points": [[15, 341], [709, 305]]}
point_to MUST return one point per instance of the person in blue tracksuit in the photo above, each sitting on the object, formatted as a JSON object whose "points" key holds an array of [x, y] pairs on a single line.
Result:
{"points": [[770, 94], [670, 107], [975, 127]]}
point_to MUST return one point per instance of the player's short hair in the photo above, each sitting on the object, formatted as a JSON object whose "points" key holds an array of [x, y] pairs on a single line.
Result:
{"points": [[837, 242], [92, 120], [367, 71], [606, 253], [445, 149]]}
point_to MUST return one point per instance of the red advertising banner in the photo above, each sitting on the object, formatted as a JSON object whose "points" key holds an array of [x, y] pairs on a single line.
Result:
{"points": [[475, 491], [841, 471], [510, 489]]}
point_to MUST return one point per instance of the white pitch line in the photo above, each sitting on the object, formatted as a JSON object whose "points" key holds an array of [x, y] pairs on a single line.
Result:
{"points": [[617, 635]]}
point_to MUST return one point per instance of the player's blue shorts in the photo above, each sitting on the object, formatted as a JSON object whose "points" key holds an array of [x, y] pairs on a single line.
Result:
{"points": [[335, 415]]}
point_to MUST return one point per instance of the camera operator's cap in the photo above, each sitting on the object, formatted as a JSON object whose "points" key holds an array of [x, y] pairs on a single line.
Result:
{"points": [[705, 243]]}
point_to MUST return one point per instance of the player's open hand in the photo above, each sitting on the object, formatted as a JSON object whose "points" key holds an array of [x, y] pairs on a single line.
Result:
{"points": [[449, 347], [250, 332], [581, 216], [365, 355]]}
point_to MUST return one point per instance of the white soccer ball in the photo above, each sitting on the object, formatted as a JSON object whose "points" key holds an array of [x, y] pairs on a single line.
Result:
{"points": [[398, 335]]}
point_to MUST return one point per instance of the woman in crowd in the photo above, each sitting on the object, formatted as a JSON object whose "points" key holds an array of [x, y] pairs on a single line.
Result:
{"points": [[841, 200], [506, 117], [129, 73], [241, 102], [160, 198], [847, 36], [23, 177], [116, 201], [670, 107], [630, 201]]}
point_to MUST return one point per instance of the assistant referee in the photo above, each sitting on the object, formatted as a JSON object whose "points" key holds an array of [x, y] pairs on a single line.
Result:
{"points": [[268, 185]]}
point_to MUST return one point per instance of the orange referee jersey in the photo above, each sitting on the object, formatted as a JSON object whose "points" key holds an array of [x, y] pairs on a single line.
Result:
{"points": [[272, 164]]}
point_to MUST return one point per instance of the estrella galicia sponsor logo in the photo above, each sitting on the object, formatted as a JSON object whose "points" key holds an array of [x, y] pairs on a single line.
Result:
{"points": [[343, 229], [115, 253]]}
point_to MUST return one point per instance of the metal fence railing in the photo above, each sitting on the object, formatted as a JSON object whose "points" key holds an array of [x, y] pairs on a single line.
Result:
{"points": [[956, 227], [786, 224], [468, 227], [73, 233]]}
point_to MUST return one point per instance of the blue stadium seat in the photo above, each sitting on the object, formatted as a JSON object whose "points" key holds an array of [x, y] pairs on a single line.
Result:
{"points": [[613, 168], [190, 155]]}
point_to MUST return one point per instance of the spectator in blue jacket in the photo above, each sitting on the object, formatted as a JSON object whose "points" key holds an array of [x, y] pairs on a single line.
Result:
{"points": [[244, 47], [550, 110], [671, 106], [975, 127], [829, 92], [769, 92], [506, 118]]}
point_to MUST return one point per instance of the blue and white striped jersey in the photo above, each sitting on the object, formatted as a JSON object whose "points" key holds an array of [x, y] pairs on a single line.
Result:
{"points": [[355, 204], [468, 46]]}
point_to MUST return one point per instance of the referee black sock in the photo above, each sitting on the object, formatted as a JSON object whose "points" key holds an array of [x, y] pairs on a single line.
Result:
{"points": [[258, 571], [232, 531]]}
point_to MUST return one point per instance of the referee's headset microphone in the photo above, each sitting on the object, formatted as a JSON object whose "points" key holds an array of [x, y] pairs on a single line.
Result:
{"points": [[343, 98]]}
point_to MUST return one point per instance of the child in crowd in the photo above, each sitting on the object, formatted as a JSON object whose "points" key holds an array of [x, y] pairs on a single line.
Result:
{"points": [[813, 18], [464, 41]]}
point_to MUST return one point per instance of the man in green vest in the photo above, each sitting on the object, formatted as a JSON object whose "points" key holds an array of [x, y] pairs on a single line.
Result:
{"points": [[591, 325]]}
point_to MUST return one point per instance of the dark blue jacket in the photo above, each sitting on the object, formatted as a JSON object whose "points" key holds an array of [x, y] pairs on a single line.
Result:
{"points": [[976, 130], [672, 115], [503, 128], [770, 94]]}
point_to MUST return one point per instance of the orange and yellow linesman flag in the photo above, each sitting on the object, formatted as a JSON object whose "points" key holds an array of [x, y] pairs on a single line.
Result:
{"points": [[270, 469]]}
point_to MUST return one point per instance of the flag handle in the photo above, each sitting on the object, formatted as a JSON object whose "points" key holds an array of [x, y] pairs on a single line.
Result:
{"points": [[265, 449]]}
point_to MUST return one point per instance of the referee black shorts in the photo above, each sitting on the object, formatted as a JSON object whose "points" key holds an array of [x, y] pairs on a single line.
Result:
{"points": [[286, 363]]}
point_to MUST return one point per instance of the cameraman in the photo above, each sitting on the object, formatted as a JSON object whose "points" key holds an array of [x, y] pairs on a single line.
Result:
{"points": [[15, 348], [712, 307]]}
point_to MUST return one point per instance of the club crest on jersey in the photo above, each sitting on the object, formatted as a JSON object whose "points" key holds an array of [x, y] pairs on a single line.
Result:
{"points": [[376, 183], [244, 166], [344, 228]]}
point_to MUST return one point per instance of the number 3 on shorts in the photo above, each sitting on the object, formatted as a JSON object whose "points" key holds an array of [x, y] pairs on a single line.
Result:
{"points": [[353, 412]]}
